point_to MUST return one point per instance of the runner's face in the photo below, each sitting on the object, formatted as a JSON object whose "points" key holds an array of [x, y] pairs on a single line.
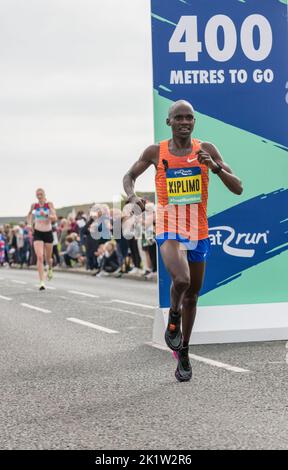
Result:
{"points": [[40, 196], [182, 121]]}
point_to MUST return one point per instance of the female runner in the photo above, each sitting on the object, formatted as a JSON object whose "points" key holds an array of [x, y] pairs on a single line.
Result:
{"points": [[44, 215]]}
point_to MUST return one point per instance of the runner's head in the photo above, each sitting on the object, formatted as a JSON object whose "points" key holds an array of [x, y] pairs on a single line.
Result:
{"points": [[40, 194], [109, 247], [181, 118]]}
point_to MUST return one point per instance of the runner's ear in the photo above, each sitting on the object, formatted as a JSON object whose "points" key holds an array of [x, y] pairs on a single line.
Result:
{"points": [[168, 122]]}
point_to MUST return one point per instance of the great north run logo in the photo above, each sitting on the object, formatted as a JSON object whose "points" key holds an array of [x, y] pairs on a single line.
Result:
{"points": [[181, 172], [229, 239]]}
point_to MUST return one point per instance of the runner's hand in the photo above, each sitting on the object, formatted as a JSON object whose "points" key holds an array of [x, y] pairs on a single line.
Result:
{"points": [[205, 159], [135, 200]]}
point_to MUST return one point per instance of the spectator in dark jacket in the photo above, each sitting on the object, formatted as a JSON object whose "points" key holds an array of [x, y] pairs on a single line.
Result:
{"points": [[91, 245], [110, 261], [72, 252]]}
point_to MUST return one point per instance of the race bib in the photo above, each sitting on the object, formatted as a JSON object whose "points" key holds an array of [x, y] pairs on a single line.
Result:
{"points": [[184, 185], [41, 213]]}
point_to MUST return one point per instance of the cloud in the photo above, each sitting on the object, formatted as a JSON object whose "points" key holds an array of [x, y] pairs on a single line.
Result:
{"points": [[75, 98]]}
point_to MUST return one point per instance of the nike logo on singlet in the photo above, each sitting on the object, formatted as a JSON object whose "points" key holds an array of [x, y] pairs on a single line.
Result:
{"points": [[192, 160]]}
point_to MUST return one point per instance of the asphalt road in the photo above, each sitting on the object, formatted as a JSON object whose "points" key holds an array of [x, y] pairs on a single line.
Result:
{"points": [[65, 384]]}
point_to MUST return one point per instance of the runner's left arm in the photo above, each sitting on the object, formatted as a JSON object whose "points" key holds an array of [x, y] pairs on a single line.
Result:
{"points": [[52, 215], [211, 157]]}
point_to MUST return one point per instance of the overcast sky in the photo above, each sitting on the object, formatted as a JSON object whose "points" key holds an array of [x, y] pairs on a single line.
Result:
{"points": [[75, 99]]}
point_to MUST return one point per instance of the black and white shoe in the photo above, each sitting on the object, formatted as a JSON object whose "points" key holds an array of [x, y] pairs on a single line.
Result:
{"points": [[173, 334], [183, 372]]}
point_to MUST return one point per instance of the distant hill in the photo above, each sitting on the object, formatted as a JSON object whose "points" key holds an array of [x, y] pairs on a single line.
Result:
{"points": [[65, 211], [11, 220]]}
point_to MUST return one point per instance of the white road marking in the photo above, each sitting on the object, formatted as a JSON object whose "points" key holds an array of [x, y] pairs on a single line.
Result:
{"points": [[131, 313], [133, 303], [18, 282], [208, 361], [137, 327], [92, 325], [84, 294], [5, 298], [32, 307]]}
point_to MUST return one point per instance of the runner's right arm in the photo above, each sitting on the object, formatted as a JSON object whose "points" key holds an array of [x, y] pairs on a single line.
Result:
{"points": [[30, 215], [148, 157]]}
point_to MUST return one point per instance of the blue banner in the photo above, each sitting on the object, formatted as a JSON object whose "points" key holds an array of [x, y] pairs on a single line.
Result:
{"points": [[229, 59]]}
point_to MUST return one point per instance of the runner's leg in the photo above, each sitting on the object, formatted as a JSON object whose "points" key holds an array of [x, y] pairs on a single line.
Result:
{"points": [[49, 259], [176, 263], [175, 260], [39, 251], [189, 302], [183, 372], [49, 254]]}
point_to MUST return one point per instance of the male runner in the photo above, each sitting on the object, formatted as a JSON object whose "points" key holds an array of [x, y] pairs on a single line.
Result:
{"points": [[182, 166]]}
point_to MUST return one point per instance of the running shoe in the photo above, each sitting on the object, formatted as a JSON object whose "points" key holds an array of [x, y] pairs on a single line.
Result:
{"points": [[102, 274], [173, 334], [42, 286], [183, 372], [136, 272], [152, 275], [117, 273], [50, 274]]}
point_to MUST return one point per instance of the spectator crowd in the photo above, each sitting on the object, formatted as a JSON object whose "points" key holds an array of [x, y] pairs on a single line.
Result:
{"points": [[104, 241]]}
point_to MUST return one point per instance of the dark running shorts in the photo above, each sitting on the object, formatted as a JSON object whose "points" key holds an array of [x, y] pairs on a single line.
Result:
{"points": [[45, 237], [197, 250]]}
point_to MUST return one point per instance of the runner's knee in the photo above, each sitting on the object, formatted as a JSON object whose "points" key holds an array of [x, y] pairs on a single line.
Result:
{"points": [[191, 298], [181, 282], [40, 258]]}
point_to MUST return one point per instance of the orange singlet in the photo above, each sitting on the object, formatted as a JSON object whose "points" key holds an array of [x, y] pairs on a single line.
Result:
{"points": [[182, 194]]}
